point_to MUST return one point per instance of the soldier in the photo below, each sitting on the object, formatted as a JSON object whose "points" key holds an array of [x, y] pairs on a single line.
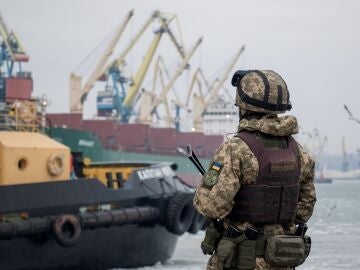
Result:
{"points": [[258, 191]]}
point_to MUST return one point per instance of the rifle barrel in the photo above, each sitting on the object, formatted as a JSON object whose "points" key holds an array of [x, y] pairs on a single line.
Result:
{"points": [[191, 155]]}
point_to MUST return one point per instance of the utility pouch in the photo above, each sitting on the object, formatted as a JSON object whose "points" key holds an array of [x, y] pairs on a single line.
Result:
{"points": [[286, 250], [246, 258], [211, 240], [225, 251]]}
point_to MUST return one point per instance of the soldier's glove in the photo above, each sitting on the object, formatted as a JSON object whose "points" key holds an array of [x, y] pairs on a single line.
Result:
{"points": [[212, 238]]}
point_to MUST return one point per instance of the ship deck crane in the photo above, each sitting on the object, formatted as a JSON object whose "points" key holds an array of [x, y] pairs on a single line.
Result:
{"points": [[201, 104], [11, 49]]}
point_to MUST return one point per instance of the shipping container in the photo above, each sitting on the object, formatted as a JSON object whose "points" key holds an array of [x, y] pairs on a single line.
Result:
{"points": [[162, 140], [132, 137], [18, 89], [105, 130], [195, 139], [67, 120]]}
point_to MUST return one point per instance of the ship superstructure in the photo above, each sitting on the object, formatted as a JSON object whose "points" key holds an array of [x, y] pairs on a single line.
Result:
{"points": [[221, 118]]}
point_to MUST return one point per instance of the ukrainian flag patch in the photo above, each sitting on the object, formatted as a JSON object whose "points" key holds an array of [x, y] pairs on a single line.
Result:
{"points": [[212, 176], [216, 166]]}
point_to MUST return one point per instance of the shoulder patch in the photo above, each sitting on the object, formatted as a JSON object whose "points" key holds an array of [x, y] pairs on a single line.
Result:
{"points": [[212, 176]]}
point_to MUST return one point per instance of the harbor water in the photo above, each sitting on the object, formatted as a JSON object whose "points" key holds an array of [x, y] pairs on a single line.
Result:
{"points": [[334, 228]]}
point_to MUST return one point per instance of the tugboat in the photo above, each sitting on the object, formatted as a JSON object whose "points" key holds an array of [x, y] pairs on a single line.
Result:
{"points": [[114, 214]]}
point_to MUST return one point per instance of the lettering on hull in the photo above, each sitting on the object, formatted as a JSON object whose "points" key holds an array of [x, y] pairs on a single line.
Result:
{"points": [[155, 173], [86, 143]]}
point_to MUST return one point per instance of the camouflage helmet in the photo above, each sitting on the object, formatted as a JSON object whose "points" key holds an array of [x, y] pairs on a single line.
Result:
{"points": [[261, 91]]}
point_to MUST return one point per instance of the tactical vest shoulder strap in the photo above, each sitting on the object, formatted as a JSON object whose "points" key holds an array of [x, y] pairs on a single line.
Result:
{"points": [[293, 146], [258, 149], [250, 139]]}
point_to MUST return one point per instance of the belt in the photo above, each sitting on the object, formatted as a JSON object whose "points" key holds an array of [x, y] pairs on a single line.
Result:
{"points": [[251, 234]]}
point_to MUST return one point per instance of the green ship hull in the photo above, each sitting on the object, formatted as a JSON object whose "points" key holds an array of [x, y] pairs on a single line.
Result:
{"points": [[89, 145]]}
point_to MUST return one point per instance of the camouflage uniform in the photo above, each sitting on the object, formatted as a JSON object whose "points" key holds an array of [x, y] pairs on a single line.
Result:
{"points": [[240, 166]]}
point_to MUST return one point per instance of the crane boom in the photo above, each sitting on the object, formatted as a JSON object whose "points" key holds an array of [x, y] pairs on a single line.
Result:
{"points": [[77, 92], [130, 96], [166, 72], [201, 105], [157, 71], [150, 102], [178, 72], [120, 59], [166, 103], [221, 81], [196, 80], [156, 14], [126, 101], [11, 49], [176, 43], [6, 34]]}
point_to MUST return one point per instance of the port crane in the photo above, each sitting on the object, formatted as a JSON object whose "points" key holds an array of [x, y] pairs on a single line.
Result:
{"points": [[151, 101], [201, 103], [129, 99], [78, 91], [147, 97], [11, 50], [122, 99], [315, 144], [198, 79]]}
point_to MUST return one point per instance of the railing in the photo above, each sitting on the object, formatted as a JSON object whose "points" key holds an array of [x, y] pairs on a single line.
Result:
{"points": [[14, 122]]}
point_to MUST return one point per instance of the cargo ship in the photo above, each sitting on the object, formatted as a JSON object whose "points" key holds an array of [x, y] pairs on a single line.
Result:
{"points": [[108, 140]]}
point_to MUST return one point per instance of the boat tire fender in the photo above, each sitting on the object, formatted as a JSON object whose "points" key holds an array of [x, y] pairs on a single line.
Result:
{"points": [[67, 230], [55, 164], [179, 213]]}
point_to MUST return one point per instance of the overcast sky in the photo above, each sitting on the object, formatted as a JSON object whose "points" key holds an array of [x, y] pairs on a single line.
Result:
{"points": [[314, 45]]}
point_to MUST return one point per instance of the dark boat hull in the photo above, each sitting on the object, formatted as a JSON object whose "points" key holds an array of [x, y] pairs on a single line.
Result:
{"points": [[135, 233], [103, 248]]}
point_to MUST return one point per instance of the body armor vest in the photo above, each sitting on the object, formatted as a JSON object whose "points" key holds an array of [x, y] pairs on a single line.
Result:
{"points": [[273, 197]]}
